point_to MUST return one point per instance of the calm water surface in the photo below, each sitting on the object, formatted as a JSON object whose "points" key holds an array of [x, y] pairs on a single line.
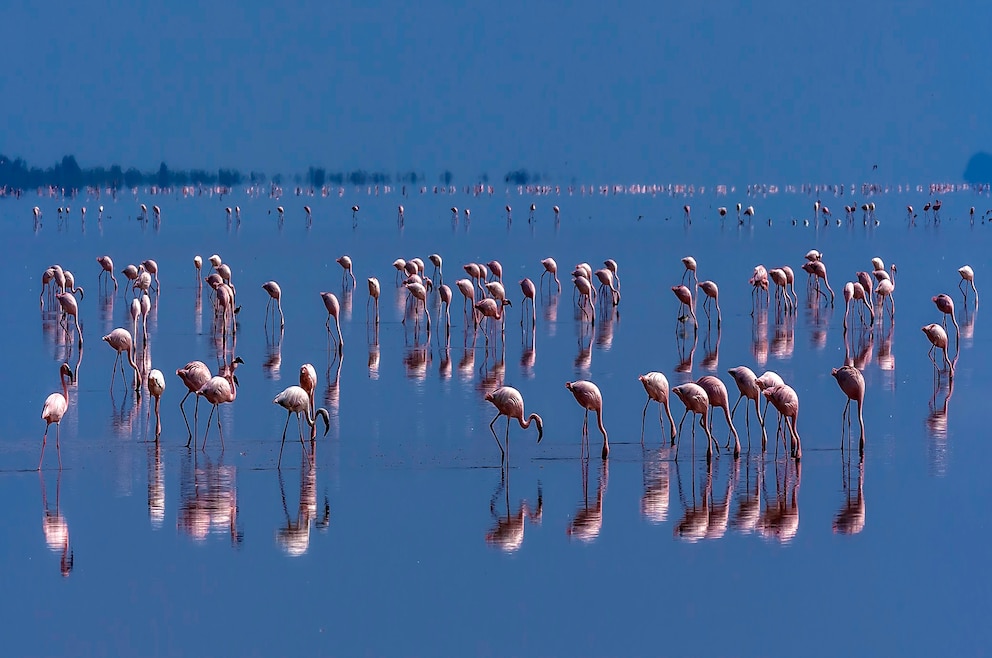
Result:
{"points": [[406, 536]]}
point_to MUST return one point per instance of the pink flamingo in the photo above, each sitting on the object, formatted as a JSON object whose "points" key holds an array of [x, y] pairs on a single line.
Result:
{"points": [[694, 397], [55, 407], [685, 301], [107, 267], [374, 290], [445, 294], [747, 384], [612, 266], [497, 269], [818, 270], [759, 283], [197, 265], [333, 309], [550, 267], [437, 262], [70, 307], [690, 267], [467, 288], [419, 293], [946, 306], [852, 383], [777, 275], [656, 386], [529, 290], [345, 263], [120, 340], [489, 308], [589, 398], [152, 268], [717, 394], [156, 386], [967, 274], [584, 287], [790, 278], [938, 339], [510, 403], [295, 399], [711, 291], [275, 294], [194, 375], [217, 391], [786, 401]]}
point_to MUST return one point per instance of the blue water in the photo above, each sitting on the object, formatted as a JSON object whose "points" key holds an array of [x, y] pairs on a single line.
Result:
{"points": [[406, 536]]}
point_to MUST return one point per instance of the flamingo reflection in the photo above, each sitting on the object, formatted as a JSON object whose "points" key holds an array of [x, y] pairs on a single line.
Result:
{"points": [[273, 354], [294, 537], [696, 520], [850, 519], [208, 499], [508, 532], [55, 527], [745, 519], [588, 519], [780, 521], [936, 424], [657, 484], [156, 485]]}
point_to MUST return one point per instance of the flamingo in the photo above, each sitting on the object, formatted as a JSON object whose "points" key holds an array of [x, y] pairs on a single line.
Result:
{"points": [[786, 401], [70, 285], [437, 262], [399, 213], [711, 291], [790, 278], [605, 277], [152, 268], [589, 398], [308, 382], [354, 216], [818, 269], [197, 264], [496, 268], [419, 293], [690, 267], [550, 267], [467, 288], [716, 392], [656, 386], [218, 390], [685, 301], [722, 211], [135, 311], [120, 340], [585, 289], [938, 339], [759, 282], [107, 267], [374, 290], [946, 306], [194, 375], [687, 210], [556, 211], [510, 403], [70, 307], [530, 217], [694, 397], [333, 309], [445, 293], [749, 213], [295, 399], [489, 308], [345, 263], [156, 386], [529, 290], [852, 383], [747, 384], [886, 286], [306, 209], [400, 266], [612, 266], [275, 294], [55, 407], [509, 216], [967, 274]]}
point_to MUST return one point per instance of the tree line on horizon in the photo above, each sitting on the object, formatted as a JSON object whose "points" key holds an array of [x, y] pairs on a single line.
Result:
{"points": [[16, 173]]}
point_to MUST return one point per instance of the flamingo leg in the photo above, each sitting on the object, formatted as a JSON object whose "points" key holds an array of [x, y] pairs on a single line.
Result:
{"points": [[44, 440], [493, 430], [185, 418]]}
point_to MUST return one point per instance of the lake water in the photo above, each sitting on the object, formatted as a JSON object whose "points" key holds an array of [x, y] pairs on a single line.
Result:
{"points": [[406, 536]]}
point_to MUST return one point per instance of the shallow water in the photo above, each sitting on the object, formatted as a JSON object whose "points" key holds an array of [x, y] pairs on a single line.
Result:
{"points": [[406, 536]]}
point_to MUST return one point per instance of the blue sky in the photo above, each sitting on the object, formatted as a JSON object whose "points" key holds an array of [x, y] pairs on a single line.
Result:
{"points": [[697, 92]]}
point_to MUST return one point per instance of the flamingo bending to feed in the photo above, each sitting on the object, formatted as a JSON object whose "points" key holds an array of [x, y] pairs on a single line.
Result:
{"points": [[55, 407], [590, 398], [510, 403]]}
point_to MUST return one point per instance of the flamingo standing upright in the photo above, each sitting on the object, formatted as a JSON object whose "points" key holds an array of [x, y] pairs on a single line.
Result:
{"points": [[217, 391]]}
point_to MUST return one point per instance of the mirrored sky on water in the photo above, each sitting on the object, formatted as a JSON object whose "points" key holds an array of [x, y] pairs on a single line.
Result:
{"points": [[406, 536]]}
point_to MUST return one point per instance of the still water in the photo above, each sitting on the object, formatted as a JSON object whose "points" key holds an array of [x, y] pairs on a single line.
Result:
{"points": [[406, 536]]}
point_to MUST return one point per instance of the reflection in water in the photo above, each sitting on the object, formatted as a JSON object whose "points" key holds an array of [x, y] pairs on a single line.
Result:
{"points": [[273, 354], [711, 352], [588, 519], [656, 481], [55, 527], [604, 329], [492, 378], [685, 356], [332, 394], [745, 520], [780, 521], [968, 317], [106, 303], [784, 342], [549, 312], [374, 361], [850, 519], [818, 319], [508, 533], [859, 352], [528, 355], [696, 520], [583, 360], [198, 311], [759, 336], [208, 498], [886, 357], [415, 362], [156, 485], [937, 425], [294, 537], [466, 365]]}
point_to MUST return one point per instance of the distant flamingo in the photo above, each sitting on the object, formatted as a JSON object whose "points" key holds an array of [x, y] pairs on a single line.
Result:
{"points": [[275, 294], [589, 398], [716, 391], [509, 216], [749, 213], [399, 213], [656, 386], [747, 384], [711, 291], [556, 211], [55, 407], [107, 265], [374, 290], [946, 306], [120, 340], [687, 209], [295, 399], [345, 263], [694, 397], [967, 274], [938, 339], [354, 216], [156, 386], [786, 401], [550, 267], [510, 403], [852, 382], [333, 309], [306, 209]]}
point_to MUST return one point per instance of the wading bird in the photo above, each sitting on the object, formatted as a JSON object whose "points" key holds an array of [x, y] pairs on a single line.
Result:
{"points": [[55, 407], [510, 403], [589, 398]]}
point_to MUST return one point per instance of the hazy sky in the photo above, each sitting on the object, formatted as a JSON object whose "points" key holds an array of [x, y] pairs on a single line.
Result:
{"points": [[772, 91]]}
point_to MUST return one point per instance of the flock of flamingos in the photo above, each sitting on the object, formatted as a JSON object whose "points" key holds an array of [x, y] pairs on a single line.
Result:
{"points": [[485, 298]]}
